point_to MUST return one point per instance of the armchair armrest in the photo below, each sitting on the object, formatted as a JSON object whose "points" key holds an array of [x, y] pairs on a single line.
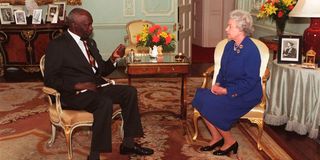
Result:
{"points": [[264, 83], [207, 76], [52, 92]]}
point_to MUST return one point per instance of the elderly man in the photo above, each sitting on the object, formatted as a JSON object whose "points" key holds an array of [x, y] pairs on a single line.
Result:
{"points": [[73, 63]]}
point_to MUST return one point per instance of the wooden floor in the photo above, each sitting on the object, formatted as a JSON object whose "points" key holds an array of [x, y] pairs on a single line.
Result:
{"points": [[297, 146]]}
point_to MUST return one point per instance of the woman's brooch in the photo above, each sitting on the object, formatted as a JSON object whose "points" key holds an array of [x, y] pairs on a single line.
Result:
{"points": [[237, 48]]}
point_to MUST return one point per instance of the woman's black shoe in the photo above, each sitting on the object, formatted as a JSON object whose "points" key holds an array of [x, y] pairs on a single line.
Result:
{"points": [[233, 148], [212, 147]]}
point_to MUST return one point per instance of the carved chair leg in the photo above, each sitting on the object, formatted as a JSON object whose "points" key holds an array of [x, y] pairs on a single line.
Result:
{"points": [[260, 127], [196, 116], [115, 114], [53, 135], [68, 134]]}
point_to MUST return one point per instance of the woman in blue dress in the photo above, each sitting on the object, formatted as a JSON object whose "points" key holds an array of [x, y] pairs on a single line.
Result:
{"points": [[238, 85]]}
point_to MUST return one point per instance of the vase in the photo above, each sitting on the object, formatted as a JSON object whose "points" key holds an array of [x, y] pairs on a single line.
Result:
{"points": [[154, 51], [280, 25]]}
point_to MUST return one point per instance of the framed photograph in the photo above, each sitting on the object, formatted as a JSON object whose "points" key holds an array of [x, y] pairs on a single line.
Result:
{"points": [[6, 14], [20, 17], [62, 10], [36, 16], [290, 49], [53, 13]]}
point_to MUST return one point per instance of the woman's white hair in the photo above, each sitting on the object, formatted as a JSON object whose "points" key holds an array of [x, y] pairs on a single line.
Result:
{"points": [[243, 21]]}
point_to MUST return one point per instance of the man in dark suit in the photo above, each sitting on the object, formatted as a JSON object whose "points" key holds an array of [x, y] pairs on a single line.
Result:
{"points": [[290, 51], [73, 63]]}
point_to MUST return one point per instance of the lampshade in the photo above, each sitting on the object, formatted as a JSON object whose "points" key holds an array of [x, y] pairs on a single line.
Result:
{"points": [[306, 8], [311, 36]]}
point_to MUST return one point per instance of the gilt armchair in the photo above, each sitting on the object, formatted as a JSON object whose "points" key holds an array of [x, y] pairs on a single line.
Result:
{"points": [[68, 120], [256, 114], [133, 29]]}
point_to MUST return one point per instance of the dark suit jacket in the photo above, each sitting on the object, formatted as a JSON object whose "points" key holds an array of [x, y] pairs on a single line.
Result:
{"points": [[66, 65]]}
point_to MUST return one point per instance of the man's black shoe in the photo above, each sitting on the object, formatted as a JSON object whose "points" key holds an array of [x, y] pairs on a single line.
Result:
{"points": [[136, 149]]}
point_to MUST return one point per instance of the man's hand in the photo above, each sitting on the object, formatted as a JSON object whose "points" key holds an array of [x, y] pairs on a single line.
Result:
{"points": [[85, 85], [118, 52]]}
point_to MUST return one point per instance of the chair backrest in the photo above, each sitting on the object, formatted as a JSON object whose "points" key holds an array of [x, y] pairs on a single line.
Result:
{"points": [[264, 55], [134, 28]]}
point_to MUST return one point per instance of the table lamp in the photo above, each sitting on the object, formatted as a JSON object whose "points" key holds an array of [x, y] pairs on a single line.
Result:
{"points": [[311, 36]]}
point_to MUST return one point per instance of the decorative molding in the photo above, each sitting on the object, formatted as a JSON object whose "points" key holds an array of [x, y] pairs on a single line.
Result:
{"points": [[157, 8], [129, 8], [121, 25], [41, 2]]}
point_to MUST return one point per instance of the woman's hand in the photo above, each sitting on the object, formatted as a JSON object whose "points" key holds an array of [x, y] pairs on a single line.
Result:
{"points": [[218, 90]]}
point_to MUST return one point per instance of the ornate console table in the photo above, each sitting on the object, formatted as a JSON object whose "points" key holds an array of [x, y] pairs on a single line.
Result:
{"points": [[22, 46]]}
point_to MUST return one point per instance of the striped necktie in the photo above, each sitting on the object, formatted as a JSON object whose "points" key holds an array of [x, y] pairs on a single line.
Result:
{"points": [[90, 57]]}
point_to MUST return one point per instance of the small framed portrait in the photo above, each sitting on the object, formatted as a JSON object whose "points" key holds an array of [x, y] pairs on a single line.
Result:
{"points": [[53, 13], [36, 16], [20, 17], [290, 49], [62, 10], [6, 14]]}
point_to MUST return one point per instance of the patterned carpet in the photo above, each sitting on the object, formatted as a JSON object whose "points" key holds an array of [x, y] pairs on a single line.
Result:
{"points": [[25, 127]]}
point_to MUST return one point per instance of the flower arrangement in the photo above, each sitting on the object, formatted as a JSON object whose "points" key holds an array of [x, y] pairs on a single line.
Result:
{"points": [[276, 9], [156, 35]]}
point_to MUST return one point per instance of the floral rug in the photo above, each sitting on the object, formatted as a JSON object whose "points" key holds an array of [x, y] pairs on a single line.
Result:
{"points": [[19, 100], [26, 129]]}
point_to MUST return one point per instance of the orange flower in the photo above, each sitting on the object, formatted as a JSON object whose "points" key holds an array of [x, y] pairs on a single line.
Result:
{"points": [[156, 35], [168, 39], [155, 39], [280, 14]]}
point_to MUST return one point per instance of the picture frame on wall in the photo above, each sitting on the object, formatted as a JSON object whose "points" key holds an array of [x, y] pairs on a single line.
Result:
{"points": [[290, 47], [6, 14], [36, 16], [52, 13], [20, 17], [61, 10]]}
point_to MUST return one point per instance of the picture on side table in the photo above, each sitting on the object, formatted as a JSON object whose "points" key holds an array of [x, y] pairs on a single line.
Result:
{"points": [[36, 16], [6, 15], [290, 49], [62, 10], [20, 17], [53, 13]]}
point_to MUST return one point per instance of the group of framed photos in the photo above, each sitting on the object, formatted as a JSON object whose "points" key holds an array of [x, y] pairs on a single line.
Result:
{"points": [[9, 15], [290, 49]]}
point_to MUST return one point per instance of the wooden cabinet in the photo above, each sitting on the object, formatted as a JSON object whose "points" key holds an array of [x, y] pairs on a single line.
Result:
{"points": [[22, 46]]}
